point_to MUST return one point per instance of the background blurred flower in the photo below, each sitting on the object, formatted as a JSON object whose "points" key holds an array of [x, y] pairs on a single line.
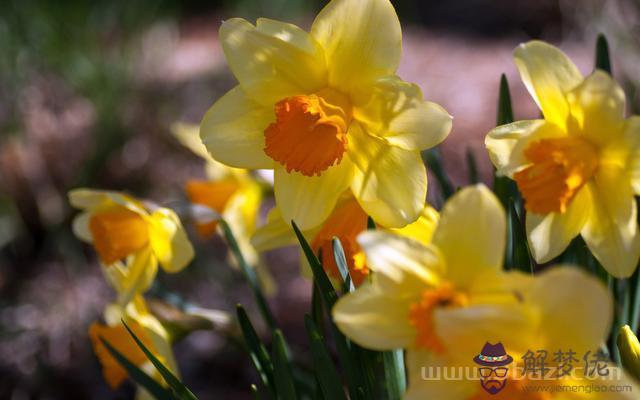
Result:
{"points": [[579, 168], [131, 238]]}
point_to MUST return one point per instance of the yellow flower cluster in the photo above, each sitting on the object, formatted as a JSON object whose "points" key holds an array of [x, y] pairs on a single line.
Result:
{"points": [[343, 133]]}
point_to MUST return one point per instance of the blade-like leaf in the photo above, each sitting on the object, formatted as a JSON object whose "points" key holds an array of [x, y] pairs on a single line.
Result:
{"points": [[325, 370], [179, 389], [341, 262], [394, 374], [257, 350], [474, 177], [283, 375], [433, 158], [250, 275], [505, 111], [603, 61], [138, 375], [517, 250], [371, 224]]}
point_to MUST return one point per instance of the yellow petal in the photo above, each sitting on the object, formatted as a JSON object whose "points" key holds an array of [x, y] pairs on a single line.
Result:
{"points": [[80, 227], [93, 200], [597, 107], [389, 182], [169, 241], [309, 200], [422, 365], [506, 143], [134, 277], [273, 60], [397, 112], [612, 230], [548, 74], [189, 136], [423, 229], [631, 150], [569, 294], [471, 234], [233, 131], [274, 233], [403, 267], [550, 234], [373, 319], [362, 41]]}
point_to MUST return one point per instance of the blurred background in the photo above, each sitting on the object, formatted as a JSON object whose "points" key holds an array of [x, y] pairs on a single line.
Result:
{"points": [[88, 93]]}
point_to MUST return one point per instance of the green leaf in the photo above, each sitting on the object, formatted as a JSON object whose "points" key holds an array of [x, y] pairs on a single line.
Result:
{"points": [[325, 370], [138, 375], [505, 111], [257, 350], [394, 374], [327, 291], [250, 276], [371, 224], [341, 262], [433, 157], [283, 375], [517, 250], [473, 167], [603, 61], [179, 389]]}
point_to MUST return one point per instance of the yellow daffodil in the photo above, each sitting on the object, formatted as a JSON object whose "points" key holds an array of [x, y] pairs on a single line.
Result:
{"points": [[146, 327], [327, 113], [346, 222], [231, 193], [131, 237], [564, 338], [578, 168]]}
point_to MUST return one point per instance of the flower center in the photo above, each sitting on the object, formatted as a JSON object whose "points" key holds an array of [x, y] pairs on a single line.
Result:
{"points": [[214, 195], [345, 223], [421, 314], [560, 167], [310, 132], [117, 233]]}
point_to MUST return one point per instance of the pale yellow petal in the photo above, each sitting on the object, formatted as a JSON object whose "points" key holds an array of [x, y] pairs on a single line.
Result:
{"points": [[274, 233], [362, 41], [274, 60], [568, 294], [390, 183], [631, 151], [611, 232], [309, 200], [471, 234], [548, 74], [550, 234], [189, 136], [233, 131], [402, 267], [397, 112], [506, 143], [136, 277], [426, 372], [94, 200], [373, 319], [423, 229], [169, 241], [80, 227], [597, 108]]}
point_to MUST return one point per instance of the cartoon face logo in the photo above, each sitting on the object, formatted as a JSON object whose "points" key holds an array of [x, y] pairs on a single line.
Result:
{"points": [[493, 361]]}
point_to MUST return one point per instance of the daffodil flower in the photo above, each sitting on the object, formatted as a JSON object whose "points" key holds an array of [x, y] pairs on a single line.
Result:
{"points": [[327, 113], [231, 193], [130, 237], [346, 222], [558, 325], [146, 327], [578, 168]]}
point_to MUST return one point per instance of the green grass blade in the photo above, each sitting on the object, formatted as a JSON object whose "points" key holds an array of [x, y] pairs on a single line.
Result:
{"points": [[327, 291], [257, 351], [250, 276], [138, 375], [433, 157], [179, 389], [517, 250], [283, 375], [505, 110], [394, 374], [325, 370], [341, 262], [603, 61], [474, 177], [371, 224]]}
